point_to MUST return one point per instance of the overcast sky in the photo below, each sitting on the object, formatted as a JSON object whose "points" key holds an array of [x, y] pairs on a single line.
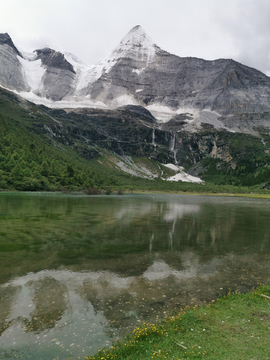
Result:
{"points": [[90, 29]]}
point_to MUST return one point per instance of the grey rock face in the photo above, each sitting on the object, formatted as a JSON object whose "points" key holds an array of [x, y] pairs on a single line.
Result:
{"points": [[56, 84], [11, 71], [224, 86], [59, 76], [245, 122], [55, 59], [139, 111], [6, 39]]}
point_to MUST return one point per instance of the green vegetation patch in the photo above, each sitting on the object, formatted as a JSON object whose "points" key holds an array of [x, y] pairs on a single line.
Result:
{"points": [[13, 247], [251, 161], [32, 159], [236, 326], [30, 163]]}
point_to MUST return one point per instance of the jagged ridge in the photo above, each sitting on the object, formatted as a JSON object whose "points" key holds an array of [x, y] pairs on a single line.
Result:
{"points": [[138, 72]]}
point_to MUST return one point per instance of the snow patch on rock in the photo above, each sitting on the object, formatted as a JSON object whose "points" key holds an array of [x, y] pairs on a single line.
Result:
{"points": [[160, 112], [126, 164], [33, 72], [72, 103], [125, 100], [173, 167], [136, 44], [138, 71], [85, 74], [181, 175], [29, 56]]}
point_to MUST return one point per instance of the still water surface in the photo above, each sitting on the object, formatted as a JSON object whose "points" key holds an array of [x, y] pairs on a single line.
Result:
{"points": [[78, 272]]}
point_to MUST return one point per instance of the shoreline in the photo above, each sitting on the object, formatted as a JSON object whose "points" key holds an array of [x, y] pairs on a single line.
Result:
{"points": [[253, 195], [134, 192], [234, 326]]}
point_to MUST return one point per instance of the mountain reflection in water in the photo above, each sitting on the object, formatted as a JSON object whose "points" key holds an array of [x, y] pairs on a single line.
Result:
{"points": [[89, 270]]}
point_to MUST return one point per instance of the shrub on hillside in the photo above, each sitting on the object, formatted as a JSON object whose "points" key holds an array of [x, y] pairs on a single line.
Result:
{"points": [[92, 191]]}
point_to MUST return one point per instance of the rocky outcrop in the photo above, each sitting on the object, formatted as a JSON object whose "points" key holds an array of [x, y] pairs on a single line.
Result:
{"points": [[131, 132], [5, 39], [52, 58], [259, 121], [56, 84], [58, 79], [11, 71]]}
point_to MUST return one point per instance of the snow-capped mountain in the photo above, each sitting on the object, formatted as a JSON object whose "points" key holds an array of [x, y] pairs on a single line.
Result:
{"points": [[137, 72]]}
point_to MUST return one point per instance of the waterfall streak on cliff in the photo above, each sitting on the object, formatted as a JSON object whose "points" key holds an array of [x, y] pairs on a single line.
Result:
{"points": [[172, 148], [153, 139]]}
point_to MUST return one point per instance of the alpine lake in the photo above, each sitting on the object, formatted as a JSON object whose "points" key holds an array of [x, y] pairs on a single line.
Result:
{"points": [[78, 272]]}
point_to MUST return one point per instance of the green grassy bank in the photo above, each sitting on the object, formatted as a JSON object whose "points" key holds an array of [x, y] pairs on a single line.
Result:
{"points": [[265, 195], [235, 326]]}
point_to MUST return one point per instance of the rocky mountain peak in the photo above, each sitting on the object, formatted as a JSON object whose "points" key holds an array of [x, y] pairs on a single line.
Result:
{"points": [[52, 58], [138, 37], [136, 45], [5, 39]]}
